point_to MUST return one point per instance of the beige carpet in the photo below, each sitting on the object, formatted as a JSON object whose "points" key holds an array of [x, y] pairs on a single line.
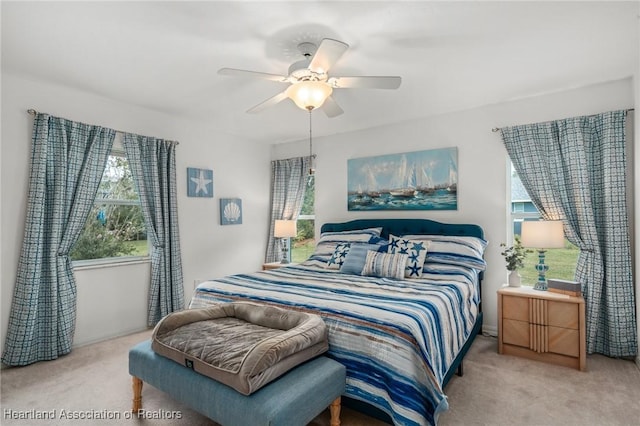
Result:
{"points": [[495, 390]]}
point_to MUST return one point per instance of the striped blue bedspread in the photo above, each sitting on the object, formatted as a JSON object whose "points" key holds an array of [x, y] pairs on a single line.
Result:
{"points": [[396, 338]]}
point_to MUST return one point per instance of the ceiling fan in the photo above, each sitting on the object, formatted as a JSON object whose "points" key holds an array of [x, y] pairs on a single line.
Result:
{"points": [[311, 86]]}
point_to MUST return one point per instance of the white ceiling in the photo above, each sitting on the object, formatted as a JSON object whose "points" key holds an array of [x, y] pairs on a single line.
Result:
{"points": [[451, 55]]}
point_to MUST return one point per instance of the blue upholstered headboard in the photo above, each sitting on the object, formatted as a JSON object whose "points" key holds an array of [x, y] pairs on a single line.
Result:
{"points": [[401, 227], [407, 226]]}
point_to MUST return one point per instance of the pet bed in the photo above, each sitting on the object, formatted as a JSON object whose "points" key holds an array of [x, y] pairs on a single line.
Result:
{"points": [[243, 345]]}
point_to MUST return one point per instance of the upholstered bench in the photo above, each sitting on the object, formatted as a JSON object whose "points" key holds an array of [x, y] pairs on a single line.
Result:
{"points": [[295, 398]]}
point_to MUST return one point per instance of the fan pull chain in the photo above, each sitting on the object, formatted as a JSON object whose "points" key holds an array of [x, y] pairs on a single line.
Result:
{"points": [[311, 170]]}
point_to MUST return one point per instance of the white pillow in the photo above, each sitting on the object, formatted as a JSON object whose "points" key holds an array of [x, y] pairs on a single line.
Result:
{"points": [[454, 250]]}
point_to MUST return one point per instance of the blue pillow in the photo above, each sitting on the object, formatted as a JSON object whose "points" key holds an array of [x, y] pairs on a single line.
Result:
{"points": [[354, 262]]}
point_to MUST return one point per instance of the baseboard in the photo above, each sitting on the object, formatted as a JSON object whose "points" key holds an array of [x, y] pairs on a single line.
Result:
{"points": [[490, 330], [110, 336], [101, 339]]}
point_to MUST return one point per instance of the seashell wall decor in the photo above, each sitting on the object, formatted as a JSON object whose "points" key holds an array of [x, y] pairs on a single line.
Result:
{"points": [[230, 211]]}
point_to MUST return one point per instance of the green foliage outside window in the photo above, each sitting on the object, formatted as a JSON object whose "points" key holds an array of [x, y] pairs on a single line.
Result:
{"points": [[304, 242], [115, 227], [306, 227]]}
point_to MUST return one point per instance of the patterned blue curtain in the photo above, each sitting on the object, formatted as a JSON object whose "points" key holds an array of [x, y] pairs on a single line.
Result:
{"points": [[153, 166], [67, 163], [574, 170], [288, 184]]}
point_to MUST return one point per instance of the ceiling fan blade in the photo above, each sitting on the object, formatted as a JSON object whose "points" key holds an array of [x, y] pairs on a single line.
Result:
{"points": [[331, 108], [366, 82], [246, 73], [327, 54], [268, 103]]}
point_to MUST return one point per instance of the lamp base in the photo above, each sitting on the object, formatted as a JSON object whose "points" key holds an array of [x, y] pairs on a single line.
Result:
{"points": [[541, 286], [542, 269], [285, 252]]}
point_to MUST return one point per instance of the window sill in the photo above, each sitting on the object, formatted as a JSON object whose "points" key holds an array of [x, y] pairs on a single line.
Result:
{"points": [[83, 265]]}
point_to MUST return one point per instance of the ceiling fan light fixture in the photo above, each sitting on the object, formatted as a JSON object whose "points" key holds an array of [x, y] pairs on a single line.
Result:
{"points": [[309, 95], [310, 84]]}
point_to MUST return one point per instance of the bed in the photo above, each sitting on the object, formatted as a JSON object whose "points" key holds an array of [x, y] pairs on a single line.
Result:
{"points": [[401, 331]]}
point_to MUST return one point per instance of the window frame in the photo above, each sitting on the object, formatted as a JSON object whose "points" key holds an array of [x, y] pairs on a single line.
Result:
{"points": [[116, 151], [519, 215]]}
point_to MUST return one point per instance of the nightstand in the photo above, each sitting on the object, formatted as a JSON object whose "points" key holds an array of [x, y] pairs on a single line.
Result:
{"points": [[274, 265], [542, 326]]}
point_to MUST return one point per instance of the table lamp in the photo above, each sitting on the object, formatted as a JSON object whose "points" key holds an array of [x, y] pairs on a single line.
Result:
{"points": [[285, 229], [542, 235]]}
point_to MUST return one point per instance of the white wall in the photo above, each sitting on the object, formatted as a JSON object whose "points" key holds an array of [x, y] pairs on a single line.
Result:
{"points": [[482, 162], [636, 81], [113, 301]]}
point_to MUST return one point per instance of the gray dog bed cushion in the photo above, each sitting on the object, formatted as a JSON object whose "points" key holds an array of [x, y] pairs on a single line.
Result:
{"points": [[243, 345]]}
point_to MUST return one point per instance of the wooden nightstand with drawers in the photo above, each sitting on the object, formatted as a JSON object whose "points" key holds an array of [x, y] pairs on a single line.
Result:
{"points": [[542, 326]]}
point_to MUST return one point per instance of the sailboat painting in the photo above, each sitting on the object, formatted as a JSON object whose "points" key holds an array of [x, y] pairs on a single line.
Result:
{"points": [[420, 180]]}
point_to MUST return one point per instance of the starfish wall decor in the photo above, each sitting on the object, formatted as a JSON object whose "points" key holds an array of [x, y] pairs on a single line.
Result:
{"points": [[199, 182]]}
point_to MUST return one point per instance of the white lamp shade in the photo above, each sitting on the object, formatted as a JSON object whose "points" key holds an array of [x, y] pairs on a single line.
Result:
{"points": [[285, 229], [309, 95], [543, 234]]}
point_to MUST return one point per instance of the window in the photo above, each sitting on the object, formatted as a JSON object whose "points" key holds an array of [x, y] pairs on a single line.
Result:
{"points": [[115, 227], [562, 262], [304, 243]]}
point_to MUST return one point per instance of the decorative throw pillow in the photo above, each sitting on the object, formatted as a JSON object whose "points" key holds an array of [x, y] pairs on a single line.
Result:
{"points": [[385, 265], [382, 243], [416, 250], [455, 250], [328, 242], [354, 262], [339, 254]]}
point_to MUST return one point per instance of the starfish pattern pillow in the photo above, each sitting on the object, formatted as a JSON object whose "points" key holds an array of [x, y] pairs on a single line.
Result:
{"points": [[416, 250], [339, 254]]}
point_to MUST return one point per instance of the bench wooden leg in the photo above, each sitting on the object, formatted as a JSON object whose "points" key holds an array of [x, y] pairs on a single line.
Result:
{"points": [[137, 395], [334, 408]]}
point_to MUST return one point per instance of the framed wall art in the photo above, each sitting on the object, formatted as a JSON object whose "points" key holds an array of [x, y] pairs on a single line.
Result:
{"points": [[199, 182], [230, 211], [420, 180]]}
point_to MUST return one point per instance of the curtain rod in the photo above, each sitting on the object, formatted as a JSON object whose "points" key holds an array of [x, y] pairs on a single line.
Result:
{"points": [[33, 112], [497, 129], [293, 158]]}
